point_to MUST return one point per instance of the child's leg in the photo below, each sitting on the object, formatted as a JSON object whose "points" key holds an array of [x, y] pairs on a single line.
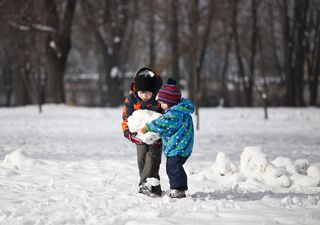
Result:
{"points": [[177, 175], [154, 158], [141, 158], [149, 159]]}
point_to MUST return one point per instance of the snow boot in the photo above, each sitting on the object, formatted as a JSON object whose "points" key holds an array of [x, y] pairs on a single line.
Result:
{"points": [[156, 190], [177, 194], [151, 191]]}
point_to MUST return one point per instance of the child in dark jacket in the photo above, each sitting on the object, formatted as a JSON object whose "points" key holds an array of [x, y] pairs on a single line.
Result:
{"points": [[176, 130], [142, 96]]}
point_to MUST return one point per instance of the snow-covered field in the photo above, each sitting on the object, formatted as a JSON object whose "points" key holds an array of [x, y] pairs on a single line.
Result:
{"points": [[72, 166]]}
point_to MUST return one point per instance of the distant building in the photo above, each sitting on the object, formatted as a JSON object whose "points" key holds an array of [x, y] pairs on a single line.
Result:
{"points": [[82, 89]]}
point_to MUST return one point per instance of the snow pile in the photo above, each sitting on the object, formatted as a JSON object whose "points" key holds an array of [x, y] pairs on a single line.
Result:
{"points": [[223, 170], [300, 171], [138, 120], [223, 166], [255, 167], [255, 164], [17, 160]]}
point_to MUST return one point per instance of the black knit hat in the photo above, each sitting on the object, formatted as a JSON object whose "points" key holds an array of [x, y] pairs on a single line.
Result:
{"points": [[145, 80]]}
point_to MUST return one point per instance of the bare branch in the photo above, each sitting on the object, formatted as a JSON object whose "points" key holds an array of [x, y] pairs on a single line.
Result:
{"points": [[33, 27]]}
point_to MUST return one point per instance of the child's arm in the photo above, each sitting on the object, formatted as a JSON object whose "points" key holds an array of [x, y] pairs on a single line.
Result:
{"points": [[126, 112], [168, 123]]}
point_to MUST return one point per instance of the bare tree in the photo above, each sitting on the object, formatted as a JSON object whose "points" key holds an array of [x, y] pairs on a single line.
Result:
{"points": [[300, 15], [227, 33], [251, 80], [235, 35], [174, 39], [20, 21], [58, 44], [294, 29], [151, 26], [313, 57], [274, 40], [203, 48], [113, 29], [193, 56]]}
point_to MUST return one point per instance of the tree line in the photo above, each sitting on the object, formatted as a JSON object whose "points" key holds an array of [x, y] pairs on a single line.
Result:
{"points": [[240, 52]]}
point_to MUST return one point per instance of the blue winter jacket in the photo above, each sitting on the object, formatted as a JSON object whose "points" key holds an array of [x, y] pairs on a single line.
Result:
{"points": [[175, 127]]}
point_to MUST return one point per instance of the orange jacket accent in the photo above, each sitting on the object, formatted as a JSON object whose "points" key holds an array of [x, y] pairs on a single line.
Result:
{"points": [[133, 103]]}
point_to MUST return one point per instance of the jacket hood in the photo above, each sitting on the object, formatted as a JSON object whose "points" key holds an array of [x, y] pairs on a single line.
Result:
{"points": [[184, 106]]}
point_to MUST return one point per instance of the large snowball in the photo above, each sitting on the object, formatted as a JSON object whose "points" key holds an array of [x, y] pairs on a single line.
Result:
{"points": [[138, 120]]}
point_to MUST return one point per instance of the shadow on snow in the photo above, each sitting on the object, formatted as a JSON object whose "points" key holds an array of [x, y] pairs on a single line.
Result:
{"points": [[238, 195]]}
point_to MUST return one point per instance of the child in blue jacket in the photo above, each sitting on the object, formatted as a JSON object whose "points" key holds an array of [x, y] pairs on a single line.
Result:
{"points": [[175, 127]]}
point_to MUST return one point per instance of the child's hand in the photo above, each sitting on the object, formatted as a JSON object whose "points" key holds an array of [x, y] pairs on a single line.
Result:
{"points": [[131, 137], [143, 130]]}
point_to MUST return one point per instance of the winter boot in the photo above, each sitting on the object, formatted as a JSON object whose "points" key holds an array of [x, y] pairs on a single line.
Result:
{"points": [[177, 193], [144, 189], [149, 190], [156, 190]]}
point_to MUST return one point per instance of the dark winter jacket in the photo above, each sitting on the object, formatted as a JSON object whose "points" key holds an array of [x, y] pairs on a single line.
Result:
{"points": [[176, 129], [133, 103]]}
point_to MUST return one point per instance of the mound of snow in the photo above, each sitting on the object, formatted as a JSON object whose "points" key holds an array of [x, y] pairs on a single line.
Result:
{"points": [[255, 164], [311, 179], [17, 160], [255, 168], [223, 165], [302, 166], [222, 171], [300, 171], [138, 120], [286, 164]]}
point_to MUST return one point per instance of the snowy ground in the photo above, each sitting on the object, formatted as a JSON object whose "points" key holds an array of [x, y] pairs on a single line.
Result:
{"points": [[72, 166]]}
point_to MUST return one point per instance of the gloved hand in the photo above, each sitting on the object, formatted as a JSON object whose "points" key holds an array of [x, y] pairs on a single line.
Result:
{"points": [[143, 130], [131, 137]]}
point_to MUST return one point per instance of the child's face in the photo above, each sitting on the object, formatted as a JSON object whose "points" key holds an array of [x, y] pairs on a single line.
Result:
{"points": [[164, 106], [145, 95]]}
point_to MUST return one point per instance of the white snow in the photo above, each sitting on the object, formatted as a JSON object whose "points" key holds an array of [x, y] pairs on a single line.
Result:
{"points": [[73, 166], [116, 40], [138, 120], [114, 72], [152, 182], [53, 45]]}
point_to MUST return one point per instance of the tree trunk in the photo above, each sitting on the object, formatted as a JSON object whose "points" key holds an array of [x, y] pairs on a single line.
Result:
{"points": [[114, 38], [174, 39], [224, 75], [315, 65], [274, 46], [264, 90], [288, 50], [58, 45], [237, 45], [251, 80], [152, 45], [203, 49], [193, 26], [300, 13]]}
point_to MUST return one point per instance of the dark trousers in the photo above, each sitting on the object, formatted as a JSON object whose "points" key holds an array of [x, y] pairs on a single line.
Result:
{"points": [[177, 176], [149, 159]]}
